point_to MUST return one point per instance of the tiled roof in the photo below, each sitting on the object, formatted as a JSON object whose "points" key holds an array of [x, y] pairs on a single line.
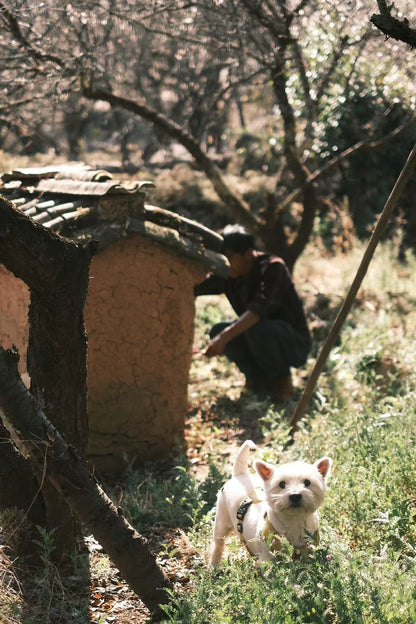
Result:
{"points": [[82, 203]]}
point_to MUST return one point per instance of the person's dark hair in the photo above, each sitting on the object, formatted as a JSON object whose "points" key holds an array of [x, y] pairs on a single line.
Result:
{"points": [[237, 239]]}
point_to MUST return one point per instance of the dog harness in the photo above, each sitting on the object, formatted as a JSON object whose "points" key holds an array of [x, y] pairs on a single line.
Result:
{"points": [[268, 531], [242, 510]]}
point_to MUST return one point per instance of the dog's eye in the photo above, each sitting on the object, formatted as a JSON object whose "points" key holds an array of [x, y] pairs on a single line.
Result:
{"points": [[282, 484], [307, 483]]}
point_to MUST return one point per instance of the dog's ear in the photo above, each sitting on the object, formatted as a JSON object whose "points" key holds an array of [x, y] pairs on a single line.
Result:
{"points": [[264, 469], [324, 467]]}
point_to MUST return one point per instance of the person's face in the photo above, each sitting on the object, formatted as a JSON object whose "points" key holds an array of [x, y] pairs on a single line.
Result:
{"points": [[240, 263]]}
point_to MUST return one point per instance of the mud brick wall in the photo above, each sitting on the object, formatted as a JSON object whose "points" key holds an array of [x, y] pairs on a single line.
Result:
{"points": [[139, 320], [139, 316], [14, 304]]}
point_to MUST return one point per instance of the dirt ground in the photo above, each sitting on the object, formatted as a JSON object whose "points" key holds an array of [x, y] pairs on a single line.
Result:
{"points": [[221, 416]]}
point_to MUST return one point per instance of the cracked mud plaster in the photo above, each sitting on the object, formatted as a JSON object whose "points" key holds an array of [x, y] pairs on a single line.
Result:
{"points": [[139, 316], [14, 305], [139, 319]]}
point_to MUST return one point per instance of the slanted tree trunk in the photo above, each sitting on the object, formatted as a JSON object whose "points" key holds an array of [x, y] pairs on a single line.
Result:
{"points": [[69, 475], [56, 271]]}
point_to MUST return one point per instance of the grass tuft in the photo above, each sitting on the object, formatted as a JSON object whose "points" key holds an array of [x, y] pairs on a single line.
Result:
{"points": [[362, 415]]}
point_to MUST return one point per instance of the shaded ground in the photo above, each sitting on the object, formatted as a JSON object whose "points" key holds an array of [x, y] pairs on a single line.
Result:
{"points": [[221, 415]]}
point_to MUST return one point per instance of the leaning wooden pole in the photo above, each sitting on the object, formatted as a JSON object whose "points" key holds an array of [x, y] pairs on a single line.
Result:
{"points": [[352, 293]]}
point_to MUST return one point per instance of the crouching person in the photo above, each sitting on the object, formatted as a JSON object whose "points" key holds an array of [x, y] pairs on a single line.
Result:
{"points": [[271, 334]]}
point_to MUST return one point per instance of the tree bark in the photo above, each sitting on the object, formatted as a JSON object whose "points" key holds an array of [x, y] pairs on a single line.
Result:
{"points": [[69, 475], [397, 29], [56, 271]]}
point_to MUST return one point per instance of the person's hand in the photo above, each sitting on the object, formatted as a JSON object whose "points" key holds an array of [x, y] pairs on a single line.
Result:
{"points": [[216, 346]]}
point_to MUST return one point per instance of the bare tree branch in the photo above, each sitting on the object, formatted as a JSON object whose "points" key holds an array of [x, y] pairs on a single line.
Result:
{"points": [[71, 478], [237, 205], [37, 55], [337, 160], [392, 27]]}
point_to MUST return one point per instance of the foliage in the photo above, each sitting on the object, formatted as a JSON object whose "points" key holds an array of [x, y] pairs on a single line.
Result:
{"points": [[172, 499], [368, 177], [364, 569]]}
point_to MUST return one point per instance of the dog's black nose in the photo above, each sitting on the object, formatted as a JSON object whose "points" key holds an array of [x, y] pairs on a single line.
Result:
{"points": [[295, 499]]}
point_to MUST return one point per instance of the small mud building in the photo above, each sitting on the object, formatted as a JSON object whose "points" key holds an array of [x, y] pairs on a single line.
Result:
{"points": [[140, 305]]}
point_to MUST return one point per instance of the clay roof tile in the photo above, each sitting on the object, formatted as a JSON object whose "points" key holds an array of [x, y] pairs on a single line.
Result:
{"points": [[84, 203]]}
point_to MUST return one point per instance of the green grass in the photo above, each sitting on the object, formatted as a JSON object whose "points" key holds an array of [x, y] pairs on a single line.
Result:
{"points": [[171, 499], [364, 569]]}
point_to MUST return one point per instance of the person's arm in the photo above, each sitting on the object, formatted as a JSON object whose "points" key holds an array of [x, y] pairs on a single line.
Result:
{"points": [[212, 285], [242, 324]]}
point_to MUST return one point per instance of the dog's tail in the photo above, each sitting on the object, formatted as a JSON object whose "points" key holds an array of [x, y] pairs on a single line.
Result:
{"points": [[241, 461]]}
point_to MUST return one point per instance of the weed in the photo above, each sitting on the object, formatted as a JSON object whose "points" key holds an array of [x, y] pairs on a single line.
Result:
{"points": [[363, 572], [364, 569], [171, 499]]}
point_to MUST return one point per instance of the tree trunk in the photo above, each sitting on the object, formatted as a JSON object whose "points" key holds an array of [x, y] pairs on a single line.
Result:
{"points": [[235, 203], [56, 271], [70, 477]]}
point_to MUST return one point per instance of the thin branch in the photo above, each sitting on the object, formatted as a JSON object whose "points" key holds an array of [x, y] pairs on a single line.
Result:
{"points": [[382, 223], [337, 52], [383, 8], [237, 205], [231, 86], [10, 106], [302, 4], [310, 102], [16, 31], [274, 25], [337, 160]]}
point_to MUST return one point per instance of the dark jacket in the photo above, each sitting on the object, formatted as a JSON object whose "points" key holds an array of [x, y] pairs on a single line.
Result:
{"points": [[268, 290]]}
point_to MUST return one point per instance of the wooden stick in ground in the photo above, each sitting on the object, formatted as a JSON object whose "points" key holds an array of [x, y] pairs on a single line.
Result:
{"points": [[70, 476], [362, 270]]}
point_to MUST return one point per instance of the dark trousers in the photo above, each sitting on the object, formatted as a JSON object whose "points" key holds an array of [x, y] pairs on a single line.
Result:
{"points": [[266, 351]]}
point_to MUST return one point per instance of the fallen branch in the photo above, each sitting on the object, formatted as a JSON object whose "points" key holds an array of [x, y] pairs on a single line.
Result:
{"points": [[72, 479]]}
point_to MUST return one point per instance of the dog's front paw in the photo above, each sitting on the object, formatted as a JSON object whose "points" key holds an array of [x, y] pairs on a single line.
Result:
{"points": [[303, 552]]}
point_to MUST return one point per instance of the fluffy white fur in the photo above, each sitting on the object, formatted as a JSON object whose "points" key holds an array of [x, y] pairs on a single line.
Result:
{"points": [[286, 501]]}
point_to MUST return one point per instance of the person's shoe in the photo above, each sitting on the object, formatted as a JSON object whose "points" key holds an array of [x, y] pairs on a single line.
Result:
{"points": [[261, 387], [250, 384], [284, 389]]}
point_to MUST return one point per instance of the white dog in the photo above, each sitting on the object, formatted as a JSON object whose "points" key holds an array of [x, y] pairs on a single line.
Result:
{"points": [[277, 501]]}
